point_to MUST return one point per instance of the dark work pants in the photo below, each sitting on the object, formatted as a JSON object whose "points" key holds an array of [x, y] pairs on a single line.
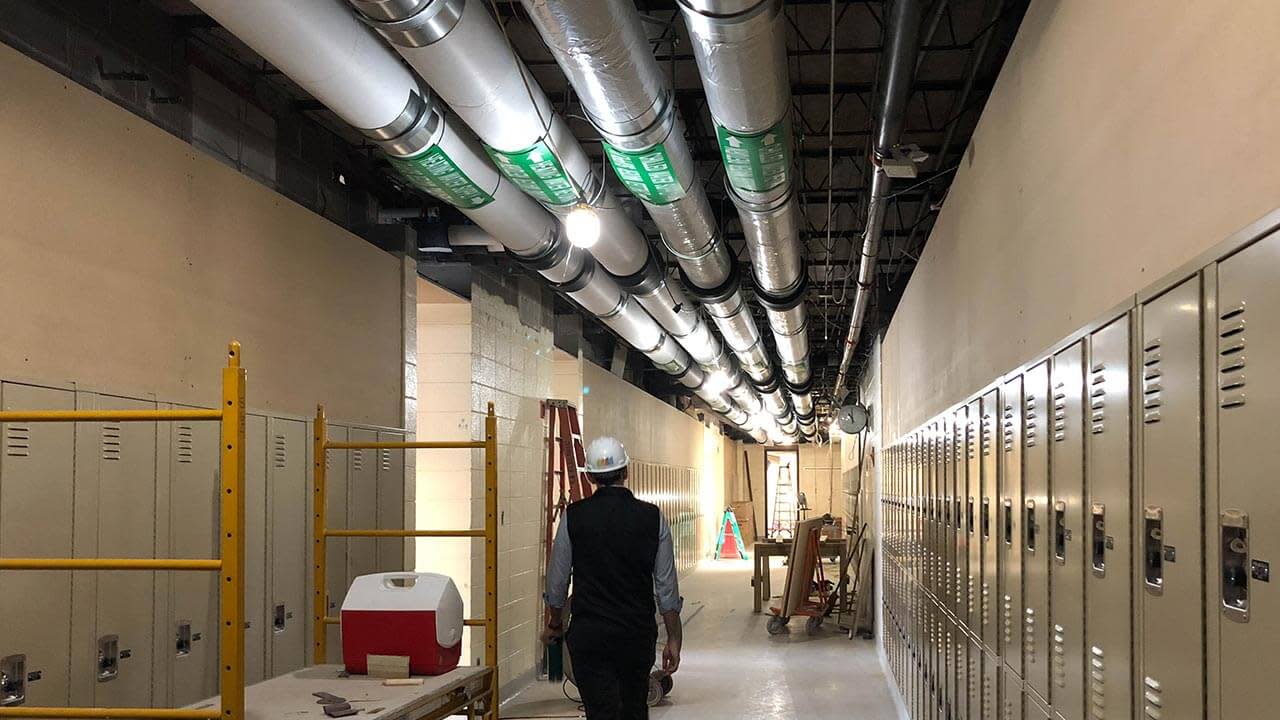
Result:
{"points": [[612, 672]]}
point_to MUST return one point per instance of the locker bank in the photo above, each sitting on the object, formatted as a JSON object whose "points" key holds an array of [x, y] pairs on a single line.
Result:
{"points": [[943, 336]]}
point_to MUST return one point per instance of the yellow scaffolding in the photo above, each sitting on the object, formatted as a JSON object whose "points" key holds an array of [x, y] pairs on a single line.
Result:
{"points": [[231, 565], [489, 532]]}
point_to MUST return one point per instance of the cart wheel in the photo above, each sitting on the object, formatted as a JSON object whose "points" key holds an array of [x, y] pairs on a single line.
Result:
{"points": [[667, 684], [812, 624], [777, 625], [655, 691]]}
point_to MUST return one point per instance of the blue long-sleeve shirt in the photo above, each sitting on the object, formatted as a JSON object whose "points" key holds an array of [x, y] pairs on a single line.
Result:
{"points": [[666, 585]]}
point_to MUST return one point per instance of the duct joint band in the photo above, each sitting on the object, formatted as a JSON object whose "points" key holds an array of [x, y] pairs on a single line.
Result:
{"points": [[546, 258], [647, 280], [411, 23], [718, 294], [800, 388], [417, 128], [787, 300], [708, 249], [581, 280], [806, 418], [767, 387]]}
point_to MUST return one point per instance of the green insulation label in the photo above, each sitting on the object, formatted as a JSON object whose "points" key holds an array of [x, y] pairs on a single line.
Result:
{"points": [[435, 172], [756, 162], [648, 174], [538, 172]]}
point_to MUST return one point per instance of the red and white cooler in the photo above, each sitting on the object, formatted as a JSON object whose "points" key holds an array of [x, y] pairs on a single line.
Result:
{"points": [[403, 613]]}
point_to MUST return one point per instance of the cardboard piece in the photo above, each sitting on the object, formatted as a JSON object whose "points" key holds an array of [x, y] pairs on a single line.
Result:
{"points": [[745, 512], [388, 666]]}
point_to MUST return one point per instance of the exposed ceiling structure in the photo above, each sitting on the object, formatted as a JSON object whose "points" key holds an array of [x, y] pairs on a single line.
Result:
{"points": [[835, 57]]}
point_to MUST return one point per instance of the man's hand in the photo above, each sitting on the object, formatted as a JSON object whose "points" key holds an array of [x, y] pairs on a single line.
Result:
{"points": [[552, 635], [671, 657]]}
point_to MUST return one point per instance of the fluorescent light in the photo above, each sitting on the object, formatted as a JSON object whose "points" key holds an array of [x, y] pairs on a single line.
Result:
{"points": [[716, 383], [582, 225]]}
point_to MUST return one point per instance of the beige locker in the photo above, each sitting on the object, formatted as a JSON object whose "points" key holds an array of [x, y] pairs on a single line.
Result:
{"points": [[1034, 707], [949, 515], [1011, 698], [950, 704], [1170, 636], [287, 537], [1037, 536], [1009, 529], [1108, 543], [190, 659], [257, 617], [37, 480], [122, 657], [362, 504], [336, 558], [973, 515], [1066, 571], [959, 447], [988, 446], [1246, 539]]}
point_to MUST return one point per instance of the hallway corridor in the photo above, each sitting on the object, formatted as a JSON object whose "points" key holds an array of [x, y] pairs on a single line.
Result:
{"points": [[732, 669]]}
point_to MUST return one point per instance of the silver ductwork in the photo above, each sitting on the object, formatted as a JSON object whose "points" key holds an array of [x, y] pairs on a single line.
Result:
{"points": [[740, 48], [902, 44], [460, 50], [320, 45]]}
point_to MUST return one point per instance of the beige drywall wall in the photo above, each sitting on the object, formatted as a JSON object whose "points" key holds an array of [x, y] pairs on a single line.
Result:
{"points": [[1122, 138], [128, 259], [818, 478]]}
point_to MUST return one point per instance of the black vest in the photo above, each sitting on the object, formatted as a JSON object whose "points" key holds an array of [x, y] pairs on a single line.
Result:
{"points": [[615, 540]]}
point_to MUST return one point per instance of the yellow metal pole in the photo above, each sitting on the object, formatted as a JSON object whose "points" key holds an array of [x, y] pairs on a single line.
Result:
{"points": [[320, 546], [491, 553], [88, 712], [407, 533], [231, 609], [202, 564], [30, 416]]}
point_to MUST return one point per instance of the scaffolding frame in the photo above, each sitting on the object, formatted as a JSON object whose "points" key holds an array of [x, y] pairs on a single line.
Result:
{"points": [[489, 532], [230, 565]]}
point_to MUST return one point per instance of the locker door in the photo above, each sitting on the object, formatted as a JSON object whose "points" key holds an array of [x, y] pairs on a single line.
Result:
{"points": [[1034, 707], [256, 617], [991, 672], [1066, 536], [948, 580], [959, 431], [1108, 571], [288, 534], [37, 480], [976, 678], [1170, 521], [336, 558], [949, 704], [1009, 527], [192, 627], [1247, 539], [391, 503], [973, 515], [1037, 540], [988, 523], [126, 454], [1010, 694], [362, 505]]}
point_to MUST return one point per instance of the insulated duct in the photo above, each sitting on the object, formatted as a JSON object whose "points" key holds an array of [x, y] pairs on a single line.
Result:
{"points": [[602, 48], [461, 52], [740, 48], [321, 46], [901, 45]]}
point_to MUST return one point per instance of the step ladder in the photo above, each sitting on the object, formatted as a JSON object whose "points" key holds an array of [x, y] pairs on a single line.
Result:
{"points": [[784, 506], [730, 545], [566, 483]]}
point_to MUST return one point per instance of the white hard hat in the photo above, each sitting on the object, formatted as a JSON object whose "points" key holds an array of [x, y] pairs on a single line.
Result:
{"points": [[606, 454]]}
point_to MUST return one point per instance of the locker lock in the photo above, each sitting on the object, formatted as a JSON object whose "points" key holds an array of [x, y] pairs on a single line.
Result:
{"points": [[13, 680], [108, 658], [1236, 565], [184, 639]]}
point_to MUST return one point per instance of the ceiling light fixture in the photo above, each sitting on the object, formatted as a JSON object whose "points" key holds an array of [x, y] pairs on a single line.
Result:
{"points": [[717, 382], [583, 225]]}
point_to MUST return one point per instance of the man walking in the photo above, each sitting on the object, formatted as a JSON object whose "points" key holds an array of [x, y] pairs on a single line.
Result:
{"points": [[618, 551]]}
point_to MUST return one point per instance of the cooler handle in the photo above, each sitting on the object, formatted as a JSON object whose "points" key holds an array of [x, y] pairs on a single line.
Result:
{"points": [[399, 581]]}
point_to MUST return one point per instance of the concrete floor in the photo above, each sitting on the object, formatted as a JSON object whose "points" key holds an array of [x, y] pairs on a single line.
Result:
{"points": [[732, 668]]}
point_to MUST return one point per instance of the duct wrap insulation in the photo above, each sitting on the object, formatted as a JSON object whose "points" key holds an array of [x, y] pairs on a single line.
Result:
{"points": [[740, 49], [462, 53], [344, 65]]}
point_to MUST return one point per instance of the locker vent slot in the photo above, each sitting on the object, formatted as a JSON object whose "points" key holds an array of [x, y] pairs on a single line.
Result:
{"points": [[1153, 699], [1098, 399], [1008, 620], [1231, 358], [1059, 415], [1058, 665], [386, 460], [1009, 429], [1151, 386], [17, 440], [280, 452], [1029, 634], [357, 460], [988, 434], [186, 444], [1030, 418], [1097, 684], [111, 442]]}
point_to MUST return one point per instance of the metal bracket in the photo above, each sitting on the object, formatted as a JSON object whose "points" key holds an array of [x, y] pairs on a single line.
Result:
{"points": [[127, 75]]}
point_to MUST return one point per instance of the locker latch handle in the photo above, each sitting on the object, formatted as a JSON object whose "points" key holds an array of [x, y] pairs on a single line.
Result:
{"points": [[1008, 521], [108, 658], [1235, 565], [184, 639], [959, 515], [1060, 531], [1030, 524], [986, 518], [13, 680], [1098, 538], [1153, 549], [278, 619], [969, 514]]}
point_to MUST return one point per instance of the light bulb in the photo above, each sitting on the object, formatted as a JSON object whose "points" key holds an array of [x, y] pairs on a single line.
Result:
{"points": [[717, 382], [583, 225]]}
